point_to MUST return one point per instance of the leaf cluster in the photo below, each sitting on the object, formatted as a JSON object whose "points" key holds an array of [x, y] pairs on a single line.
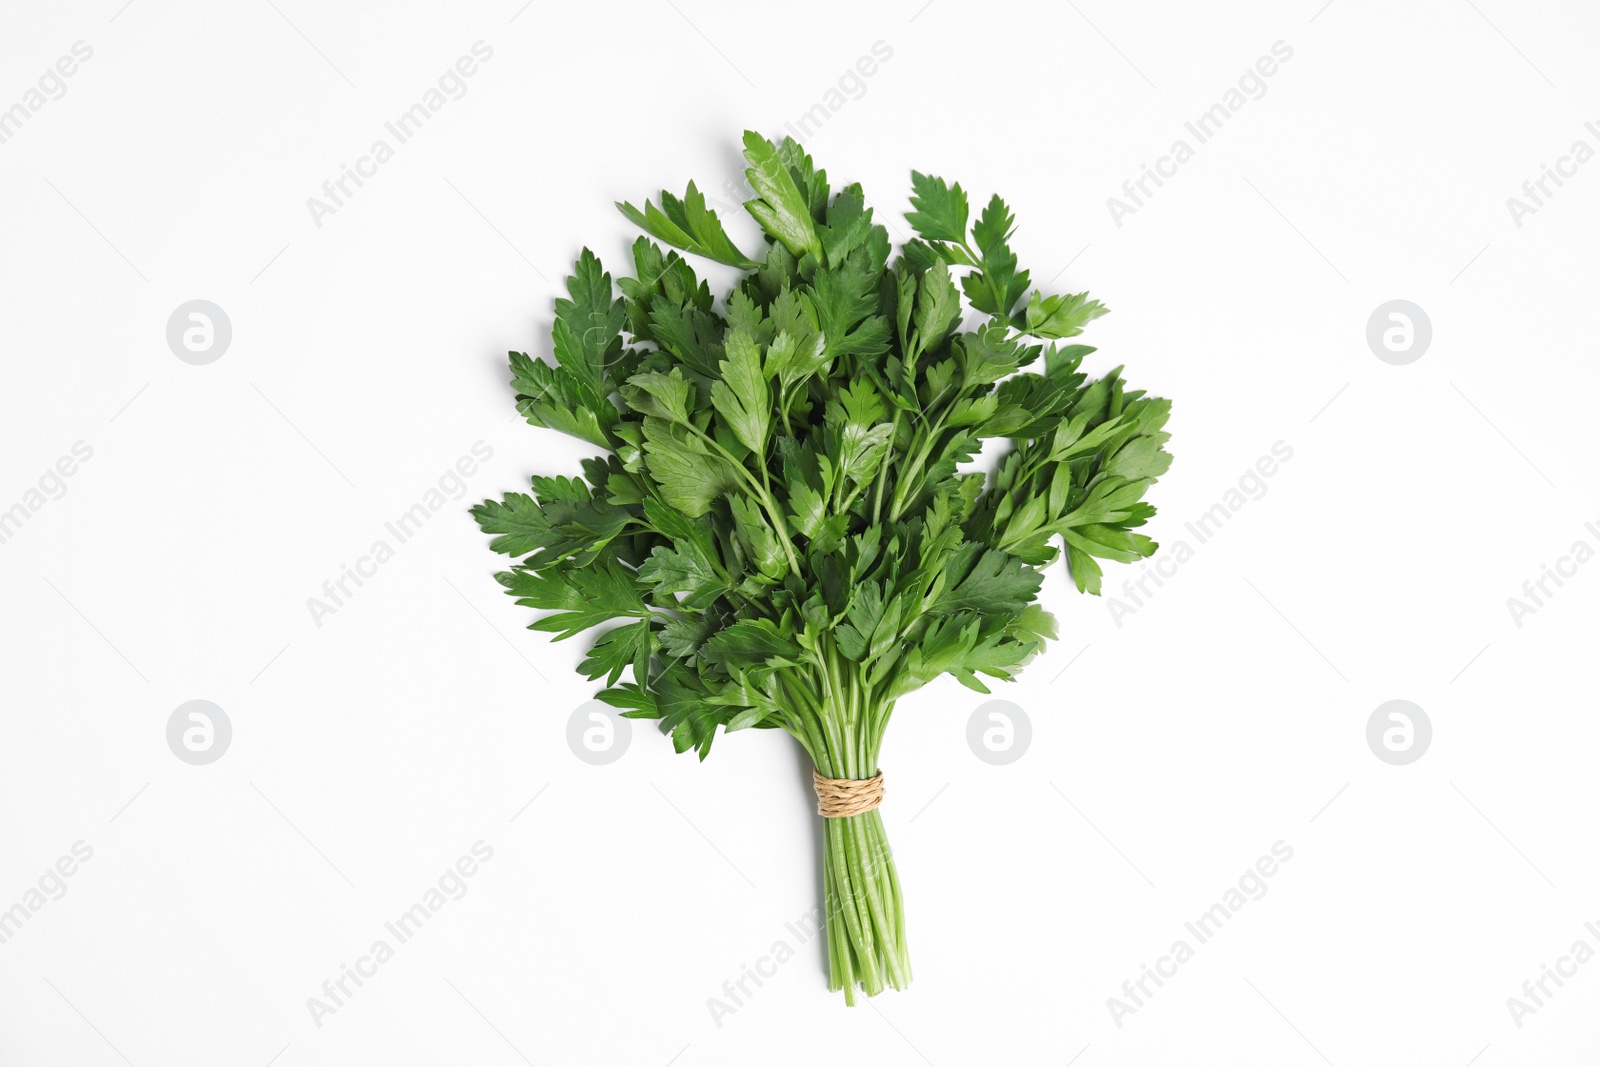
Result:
{"points": [[783, 527]]}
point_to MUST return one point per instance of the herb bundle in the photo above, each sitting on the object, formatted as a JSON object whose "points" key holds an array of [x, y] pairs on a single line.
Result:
{"points": [[783, 528]]}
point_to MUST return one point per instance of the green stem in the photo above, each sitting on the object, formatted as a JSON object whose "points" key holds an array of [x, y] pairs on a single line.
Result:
{"points": [[883, 472], [763, 493], [862, 897], [914, 471], [865, 909]]}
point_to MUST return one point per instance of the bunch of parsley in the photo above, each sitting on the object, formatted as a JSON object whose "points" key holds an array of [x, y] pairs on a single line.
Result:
{"points": [[784, 525]]}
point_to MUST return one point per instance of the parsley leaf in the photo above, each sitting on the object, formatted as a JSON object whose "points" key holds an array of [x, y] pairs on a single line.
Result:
{"points": [[688, 224], [781, 209], [941, 210]]}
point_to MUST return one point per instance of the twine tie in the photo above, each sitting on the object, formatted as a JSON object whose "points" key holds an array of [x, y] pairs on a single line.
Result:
{"points": [[839, 798]]}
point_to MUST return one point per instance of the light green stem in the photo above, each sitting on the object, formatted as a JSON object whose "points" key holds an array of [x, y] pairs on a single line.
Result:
{"points": [[862, 899]]}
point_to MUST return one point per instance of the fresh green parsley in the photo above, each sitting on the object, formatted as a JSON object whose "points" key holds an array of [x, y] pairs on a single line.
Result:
{"points": [[783, 527]]}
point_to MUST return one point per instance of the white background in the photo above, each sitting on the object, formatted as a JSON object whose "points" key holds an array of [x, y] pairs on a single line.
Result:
{"points": [[1168, 753]]}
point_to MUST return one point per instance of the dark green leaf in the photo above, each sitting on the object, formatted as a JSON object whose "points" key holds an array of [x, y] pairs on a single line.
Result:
{"points": [[781, 209], [941, 210]]}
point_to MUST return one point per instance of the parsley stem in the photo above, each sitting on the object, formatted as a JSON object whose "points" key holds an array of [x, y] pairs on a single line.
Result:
{"points": [[883, 471], [763, 492], [864, 906]]}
